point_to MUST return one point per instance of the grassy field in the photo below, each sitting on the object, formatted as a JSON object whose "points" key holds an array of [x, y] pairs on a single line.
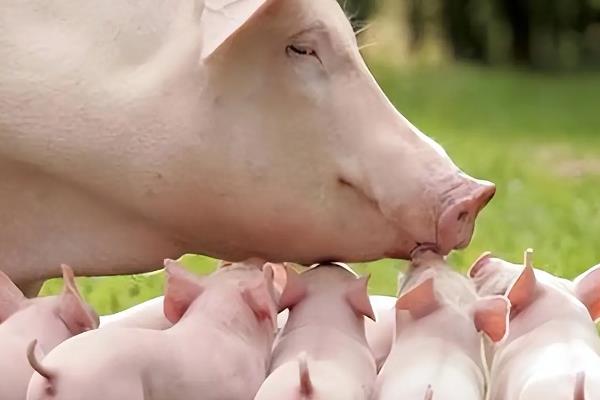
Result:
{"points": [[536, 136]]}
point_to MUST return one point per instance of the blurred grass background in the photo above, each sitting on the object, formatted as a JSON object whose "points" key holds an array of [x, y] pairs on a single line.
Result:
{"points": [[535, 134]]}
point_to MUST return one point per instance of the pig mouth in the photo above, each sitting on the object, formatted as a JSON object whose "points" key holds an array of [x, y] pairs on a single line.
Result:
{"points": [[422, 248], [455, 225]]}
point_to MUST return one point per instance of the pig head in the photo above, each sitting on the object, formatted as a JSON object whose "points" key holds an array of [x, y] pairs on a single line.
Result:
{"points": [[552, 350], [528, 288], [232, 128]]}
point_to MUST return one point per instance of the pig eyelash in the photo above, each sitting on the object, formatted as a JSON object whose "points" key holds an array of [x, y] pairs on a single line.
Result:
{"points": [[301, 51], [358, 30]]}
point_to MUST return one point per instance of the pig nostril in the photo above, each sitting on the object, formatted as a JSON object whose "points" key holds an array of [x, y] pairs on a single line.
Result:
{"points": [[462, 216]]}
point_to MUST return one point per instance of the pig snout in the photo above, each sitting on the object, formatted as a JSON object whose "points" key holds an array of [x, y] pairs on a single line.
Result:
{"points": [[460, 208]]}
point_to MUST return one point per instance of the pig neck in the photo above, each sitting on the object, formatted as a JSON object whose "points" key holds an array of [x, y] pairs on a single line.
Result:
{"points": [[38, 321], [226, 312], [37, 199]]}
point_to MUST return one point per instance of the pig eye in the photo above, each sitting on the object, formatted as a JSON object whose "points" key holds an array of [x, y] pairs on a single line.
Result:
{"points": [[294, 49]]}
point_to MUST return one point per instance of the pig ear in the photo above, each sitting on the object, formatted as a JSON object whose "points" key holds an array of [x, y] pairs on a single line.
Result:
{"points": [[294, 291], [358, 297], [522, 292], [587, 290], [259, 297], [491, 316], [73, 310], [223, 19], [11, 298], [420, 300], [479, 263], [182, 288]]}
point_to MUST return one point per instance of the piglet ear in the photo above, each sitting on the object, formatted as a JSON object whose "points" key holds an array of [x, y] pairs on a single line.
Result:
{"points": [[279, 277], [420, 300], [294, 290], [491, 317], [259, 297], [358, 297], [522, 292], [182, 288], [11, 298], [72, 310], [479, 264], [587, 290]]}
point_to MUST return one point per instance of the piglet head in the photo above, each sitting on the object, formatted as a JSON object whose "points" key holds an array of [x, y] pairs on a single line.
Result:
{"points": [[76, 314], [253, 280], [11, 298], [494, 276], [587, 290]]}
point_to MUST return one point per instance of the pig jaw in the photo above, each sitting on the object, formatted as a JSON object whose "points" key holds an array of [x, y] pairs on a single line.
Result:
{"points": [[417, 189]]}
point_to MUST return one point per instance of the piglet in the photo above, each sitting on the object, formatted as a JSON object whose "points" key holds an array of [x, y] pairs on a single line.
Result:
{"points": [[379, 332], [322, 353], [48, 320], [437, 349], [552, 351], [218, 348]]}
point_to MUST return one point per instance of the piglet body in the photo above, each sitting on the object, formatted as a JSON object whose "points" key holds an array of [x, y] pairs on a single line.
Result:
{"points": [[217, 349], [47, 320], [322, 353], [437, 349], [552, 350]]}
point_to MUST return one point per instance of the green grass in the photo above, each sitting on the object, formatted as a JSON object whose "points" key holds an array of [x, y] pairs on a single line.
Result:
{"points": [[536, 136]]}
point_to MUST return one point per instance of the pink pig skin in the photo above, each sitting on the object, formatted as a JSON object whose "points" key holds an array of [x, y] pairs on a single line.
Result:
{"points": [[552, 351], [218, 348], [380, 333], [49, 320], [437, 350], [146, 315], [322, 353]]}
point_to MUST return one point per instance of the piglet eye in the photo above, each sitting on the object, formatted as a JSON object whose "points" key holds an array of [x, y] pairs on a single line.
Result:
{"points": [[294, 49]]}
